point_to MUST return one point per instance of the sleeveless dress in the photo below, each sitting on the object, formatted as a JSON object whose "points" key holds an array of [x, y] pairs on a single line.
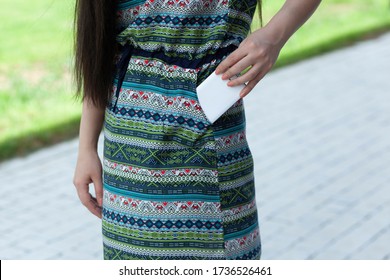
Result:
{"points": [[175, 185]]}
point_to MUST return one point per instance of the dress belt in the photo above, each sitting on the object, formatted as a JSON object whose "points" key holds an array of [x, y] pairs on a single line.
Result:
{"points": [[122, 66]]}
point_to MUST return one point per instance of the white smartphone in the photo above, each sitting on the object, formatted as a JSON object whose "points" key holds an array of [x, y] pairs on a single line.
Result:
{"points": [[216, 97]]}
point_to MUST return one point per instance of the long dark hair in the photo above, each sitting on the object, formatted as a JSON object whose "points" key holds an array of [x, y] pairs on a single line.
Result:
{"points": [[95, 48], [94, 27]]}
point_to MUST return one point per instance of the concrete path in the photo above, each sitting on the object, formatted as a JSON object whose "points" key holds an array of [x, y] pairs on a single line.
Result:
{"points": [[319, 132]]}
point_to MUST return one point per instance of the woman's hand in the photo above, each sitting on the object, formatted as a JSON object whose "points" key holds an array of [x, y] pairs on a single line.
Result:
{"points": [[257, 50], [89, 170]]}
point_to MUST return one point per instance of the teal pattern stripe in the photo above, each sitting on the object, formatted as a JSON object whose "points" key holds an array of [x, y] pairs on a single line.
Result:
{"points": [[177, 187], [162, 197]]}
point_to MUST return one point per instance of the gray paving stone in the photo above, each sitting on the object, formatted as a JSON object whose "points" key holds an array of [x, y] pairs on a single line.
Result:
{"points": [[11, 254], [375, 247], [344, 132]]}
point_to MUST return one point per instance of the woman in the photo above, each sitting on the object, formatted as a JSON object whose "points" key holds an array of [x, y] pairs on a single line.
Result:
{"points": [[172, 185]]}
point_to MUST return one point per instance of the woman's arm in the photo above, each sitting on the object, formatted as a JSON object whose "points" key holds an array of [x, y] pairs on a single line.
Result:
{"points": [[89, 168], [90, 126], [261, 48]]}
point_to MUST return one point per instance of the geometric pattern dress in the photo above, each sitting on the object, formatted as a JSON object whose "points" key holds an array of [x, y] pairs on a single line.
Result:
{"points": [[176, 186]]}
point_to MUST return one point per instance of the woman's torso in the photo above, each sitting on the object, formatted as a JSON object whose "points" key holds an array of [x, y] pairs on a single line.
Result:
{"points": [[195, 31]]}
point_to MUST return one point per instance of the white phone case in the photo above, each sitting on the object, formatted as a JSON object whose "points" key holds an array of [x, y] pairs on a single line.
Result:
{"points": [[216, 97]]}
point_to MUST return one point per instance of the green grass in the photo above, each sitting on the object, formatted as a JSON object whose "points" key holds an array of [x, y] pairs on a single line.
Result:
{"points": [[36, 99], [335, 23], [35, 85]]}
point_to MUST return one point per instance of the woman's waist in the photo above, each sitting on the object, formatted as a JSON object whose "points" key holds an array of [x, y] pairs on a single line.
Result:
{"points": [[185, 59]]}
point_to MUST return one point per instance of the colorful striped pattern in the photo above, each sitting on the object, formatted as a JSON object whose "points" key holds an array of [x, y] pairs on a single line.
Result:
{"points": [[175, 185]]}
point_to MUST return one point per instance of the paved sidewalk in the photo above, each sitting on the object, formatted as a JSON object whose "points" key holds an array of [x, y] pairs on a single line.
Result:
{"points": [[319, 132]]}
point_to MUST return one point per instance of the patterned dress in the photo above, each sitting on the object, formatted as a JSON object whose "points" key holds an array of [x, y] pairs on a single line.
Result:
{"points": [[175, 185]]}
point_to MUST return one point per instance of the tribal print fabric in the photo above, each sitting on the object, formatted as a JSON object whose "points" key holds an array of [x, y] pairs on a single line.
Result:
{"points": [[175, 185]]}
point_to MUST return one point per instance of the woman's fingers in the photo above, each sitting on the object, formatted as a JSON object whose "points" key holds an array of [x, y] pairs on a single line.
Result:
{"points": [[252, 83], [97, 182], [256, 62], [87, 200], [237, 68], [248, 76], [94, 208], [90, 203], [232, 59], [257, 70], [89, 170], [257, 52]]}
